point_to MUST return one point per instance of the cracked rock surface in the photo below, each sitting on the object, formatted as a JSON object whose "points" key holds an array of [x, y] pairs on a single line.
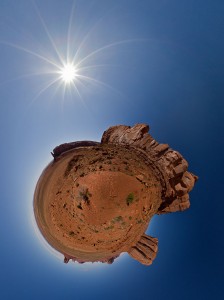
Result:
{"points": [[95, 200]]}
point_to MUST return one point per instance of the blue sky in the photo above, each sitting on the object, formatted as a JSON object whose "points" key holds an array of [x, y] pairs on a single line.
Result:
{"points": [[165, 68]]}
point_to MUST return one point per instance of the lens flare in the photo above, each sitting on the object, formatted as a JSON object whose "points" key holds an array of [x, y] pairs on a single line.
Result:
{"points": [[73, 70], [68, 73]]}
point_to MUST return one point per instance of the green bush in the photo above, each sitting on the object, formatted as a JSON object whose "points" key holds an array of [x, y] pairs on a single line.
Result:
{"points": [[118, 219], [130, 198]]}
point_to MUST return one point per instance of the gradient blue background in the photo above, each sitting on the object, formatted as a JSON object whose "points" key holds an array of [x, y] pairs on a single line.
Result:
{"points": [[171, 77]]}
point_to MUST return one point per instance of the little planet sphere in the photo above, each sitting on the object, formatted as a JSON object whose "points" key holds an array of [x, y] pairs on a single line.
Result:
{"points": [[95, 200]]}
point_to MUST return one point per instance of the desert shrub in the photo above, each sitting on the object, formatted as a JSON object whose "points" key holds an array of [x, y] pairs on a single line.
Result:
{"points": [[139, 221], [130, 198], [118, 219], [79, 206], [109, 227], [85, 195]]}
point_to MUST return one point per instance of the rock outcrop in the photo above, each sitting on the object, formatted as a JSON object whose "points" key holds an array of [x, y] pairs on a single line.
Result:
{"points": [[176, 181], [145, 250], [57, 151]]}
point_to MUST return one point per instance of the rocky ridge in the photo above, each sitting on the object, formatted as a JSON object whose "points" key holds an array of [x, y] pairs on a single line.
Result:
{"points": [[177, 182]]}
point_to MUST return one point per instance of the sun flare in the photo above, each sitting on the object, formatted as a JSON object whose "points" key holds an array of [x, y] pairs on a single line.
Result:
{"points": [[68, 73], [73, 70]]}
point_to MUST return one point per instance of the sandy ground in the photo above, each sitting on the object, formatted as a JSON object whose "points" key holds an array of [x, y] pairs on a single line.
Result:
{"points": [[95, 202]]}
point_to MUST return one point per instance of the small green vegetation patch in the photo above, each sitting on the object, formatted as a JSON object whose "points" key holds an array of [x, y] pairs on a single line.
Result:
{"points": [[109, 227], [85, 195], [130, 198], [139, 221], [118, 219]]}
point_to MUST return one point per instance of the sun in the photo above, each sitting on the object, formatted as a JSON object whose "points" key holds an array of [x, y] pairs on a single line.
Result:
{"points": [[72, 70], [68, 73]]}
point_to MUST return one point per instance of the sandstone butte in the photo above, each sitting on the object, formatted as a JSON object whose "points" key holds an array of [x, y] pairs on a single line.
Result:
{"points": [[95, 200]]}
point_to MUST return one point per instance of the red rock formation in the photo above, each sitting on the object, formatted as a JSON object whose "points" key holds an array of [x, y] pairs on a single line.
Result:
{"points": [[95, 200], [145, 250], [177, 182], [57, 151]]}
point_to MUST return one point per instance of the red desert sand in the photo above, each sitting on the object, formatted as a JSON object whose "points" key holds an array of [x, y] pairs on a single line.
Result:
{"points": [[95, 200]]}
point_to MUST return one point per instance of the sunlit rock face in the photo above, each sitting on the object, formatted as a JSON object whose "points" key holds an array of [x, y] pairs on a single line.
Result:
{"points": [[95, 200]]}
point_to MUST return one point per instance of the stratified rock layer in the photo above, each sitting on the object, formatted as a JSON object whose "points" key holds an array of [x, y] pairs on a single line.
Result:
{"points": [[95, 200], [176, 181], [145, 250]]}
